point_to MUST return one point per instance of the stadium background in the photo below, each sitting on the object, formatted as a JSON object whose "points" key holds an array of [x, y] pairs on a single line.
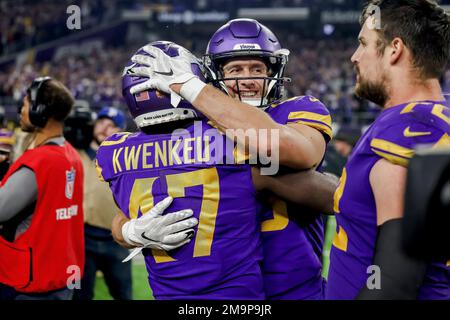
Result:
{"points": [[35, 40]]}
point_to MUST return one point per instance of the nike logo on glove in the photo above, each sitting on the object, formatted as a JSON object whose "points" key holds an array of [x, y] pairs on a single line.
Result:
{"points": [[170, 73], [407, 133], [143, 236], [189, 234]]}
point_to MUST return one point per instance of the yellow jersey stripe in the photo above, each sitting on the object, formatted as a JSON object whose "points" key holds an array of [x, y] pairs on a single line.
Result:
{"points": [[123, 137], [306, 115], [319, 126], [99, 171], [390, 147], [339, 191], [279, 103], [392, 158], [409, 107], [443, 142], [438, 111], [340, 240]]}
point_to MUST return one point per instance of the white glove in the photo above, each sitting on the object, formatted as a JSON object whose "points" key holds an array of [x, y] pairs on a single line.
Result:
{"points": [[163, 70], [155, 231]]}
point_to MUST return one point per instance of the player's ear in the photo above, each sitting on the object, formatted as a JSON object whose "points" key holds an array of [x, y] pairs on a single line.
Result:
{"points": [[396, 49]]}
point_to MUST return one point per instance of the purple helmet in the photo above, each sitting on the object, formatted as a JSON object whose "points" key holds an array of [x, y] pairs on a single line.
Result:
{"points": [[153, 107], [247, 38]]}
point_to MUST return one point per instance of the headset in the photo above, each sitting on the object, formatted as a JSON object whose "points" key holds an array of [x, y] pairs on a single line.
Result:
{"points": [[38, 111]]}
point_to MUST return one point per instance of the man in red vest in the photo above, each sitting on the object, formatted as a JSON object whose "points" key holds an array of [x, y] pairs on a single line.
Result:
{"points": [[41, 216]]}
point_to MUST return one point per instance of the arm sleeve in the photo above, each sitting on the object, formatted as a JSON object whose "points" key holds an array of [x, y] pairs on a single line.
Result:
{"points": [[310, 188], [401, 275], [18, 192], [397, 143]]}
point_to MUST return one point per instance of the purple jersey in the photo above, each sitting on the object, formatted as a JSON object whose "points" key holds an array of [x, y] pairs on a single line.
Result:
{"points": [[223, 260], [292, 265], [393, 136]]}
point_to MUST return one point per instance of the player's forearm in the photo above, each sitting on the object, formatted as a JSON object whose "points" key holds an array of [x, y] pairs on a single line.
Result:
{"points": [[118, 221], [229, 113], [300, 148], [309, 188], [260, 135]]}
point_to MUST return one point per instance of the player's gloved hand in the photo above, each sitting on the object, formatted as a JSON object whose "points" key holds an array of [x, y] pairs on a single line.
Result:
{"points": [[163, 71], [156, 231]]}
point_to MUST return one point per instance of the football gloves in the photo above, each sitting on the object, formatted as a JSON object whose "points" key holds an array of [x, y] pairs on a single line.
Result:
{"points": [[156, 231], [163, 71]]}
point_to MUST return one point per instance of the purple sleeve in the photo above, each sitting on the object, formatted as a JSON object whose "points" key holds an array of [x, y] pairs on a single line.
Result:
{"points": [[398, 143], [305, 110]]}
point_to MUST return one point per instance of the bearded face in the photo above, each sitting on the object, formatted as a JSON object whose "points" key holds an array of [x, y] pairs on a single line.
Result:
{"points": [[373, 90], [372, 79]]}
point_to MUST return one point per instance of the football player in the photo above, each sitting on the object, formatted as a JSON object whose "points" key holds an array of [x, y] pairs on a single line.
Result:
{"points": [[404, 46], [246, 62], [195, 167]]}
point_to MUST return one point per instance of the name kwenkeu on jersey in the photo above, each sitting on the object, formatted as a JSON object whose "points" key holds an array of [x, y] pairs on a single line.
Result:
{"points": [[202, 147]]}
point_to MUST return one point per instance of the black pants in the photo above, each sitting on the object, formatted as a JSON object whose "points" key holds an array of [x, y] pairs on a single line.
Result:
{"points": [[104, 254]]}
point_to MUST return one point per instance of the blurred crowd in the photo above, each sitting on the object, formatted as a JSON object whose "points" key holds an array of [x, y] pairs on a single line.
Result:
{"points": [[320, 68], [95, 78], [230, 5], [323, 69], [26, 23]]}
